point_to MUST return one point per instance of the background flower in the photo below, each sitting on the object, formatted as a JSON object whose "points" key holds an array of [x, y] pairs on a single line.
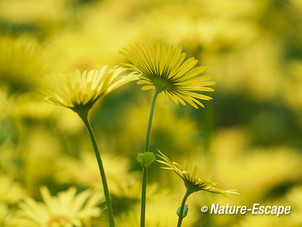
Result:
{"points": [[20, 63], [67, 209]]}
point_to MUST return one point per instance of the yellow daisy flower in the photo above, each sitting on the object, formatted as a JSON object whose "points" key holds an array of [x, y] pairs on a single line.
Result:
{"points": [[65, 210], [165, 69], [20, 61], [192, 182], [10, 192], [80, 91]]}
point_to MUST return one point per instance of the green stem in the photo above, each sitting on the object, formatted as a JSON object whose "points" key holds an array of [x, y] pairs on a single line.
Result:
{"points": [[84, 117], [182, 208], [147, 146], [145, 169], [143, 202]]}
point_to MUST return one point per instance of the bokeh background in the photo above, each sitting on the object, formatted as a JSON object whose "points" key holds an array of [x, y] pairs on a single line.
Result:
{"points": [[248, 138]]}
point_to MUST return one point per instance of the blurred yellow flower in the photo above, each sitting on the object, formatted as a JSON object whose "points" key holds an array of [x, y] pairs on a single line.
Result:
{"points": [[262, 221], [159, 216], [165, 69], [294, 196], [83, 171], [4, 215], [42, 13], [192, 183], [10, 192], [28, 107], [20, 61], [79, 91], [65, 210]]}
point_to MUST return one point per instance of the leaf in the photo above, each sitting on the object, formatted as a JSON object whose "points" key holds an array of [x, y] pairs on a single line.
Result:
{"points": [[146, 158], [185, 211]]}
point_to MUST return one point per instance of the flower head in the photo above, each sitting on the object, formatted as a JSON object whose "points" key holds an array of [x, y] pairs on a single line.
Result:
{"points": [[165, 69], [20, 62], [66, 210], [10, 192], [192, 183], [80, 91]]}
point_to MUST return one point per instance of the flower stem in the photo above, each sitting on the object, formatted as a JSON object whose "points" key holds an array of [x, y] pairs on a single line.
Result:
{"points": [[145, 169], [182, 208], [84, 117], [147, 146]]}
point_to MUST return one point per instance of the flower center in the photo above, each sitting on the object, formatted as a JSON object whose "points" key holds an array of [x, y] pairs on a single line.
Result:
{"points": [[162, 84], [58, 220]]}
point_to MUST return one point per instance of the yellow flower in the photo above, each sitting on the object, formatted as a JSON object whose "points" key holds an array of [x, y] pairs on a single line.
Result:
{"points": [[10, 191], [294, 198], [165, 69], [28, 108], [192, 183], [65, 210], [20, 61], [4, 215], [80, 91]]}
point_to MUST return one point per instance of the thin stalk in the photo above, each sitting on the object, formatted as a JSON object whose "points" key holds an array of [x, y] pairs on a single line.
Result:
{"points": [[147, 146], [84, 117], [143, 202], [145, 169], [182, 208]]}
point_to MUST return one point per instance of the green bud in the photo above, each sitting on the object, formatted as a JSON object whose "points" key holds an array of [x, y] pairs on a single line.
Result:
{"points": [[146, 158], [185, 211]]}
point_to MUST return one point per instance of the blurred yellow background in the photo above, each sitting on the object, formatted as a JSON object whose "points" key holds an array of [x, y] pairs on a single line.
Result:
{"points": [[248, 138]]}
